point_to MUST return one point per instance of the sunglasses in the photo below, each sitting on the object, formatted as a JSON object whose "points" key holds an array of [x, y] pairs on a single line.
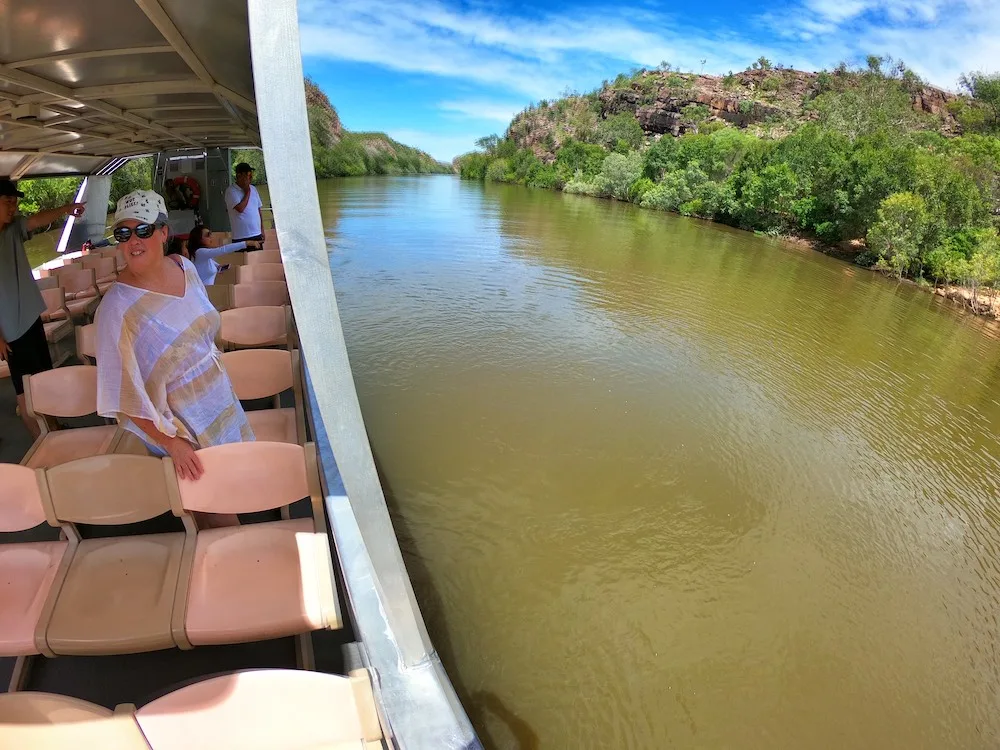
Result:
{"points": [[142, 231]]}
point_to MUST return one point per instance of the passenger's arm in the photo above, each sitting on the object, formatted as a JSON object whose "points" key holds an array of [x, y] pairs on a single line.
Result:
{"points": [[186, 461], [242, 205], [44, 218], [215, 252]]}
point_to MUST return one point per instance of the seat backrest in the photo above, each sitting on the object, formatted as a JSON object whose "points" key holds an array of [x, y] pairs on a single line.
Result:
{"points": [[254, 326], [262, 272], [259, 708], [47, 282], [260, 293], [103, 266], [62, 392], [259, 373], [55, 299], [108, 490], [249, 477], [233, 259], [76, 279], [220, 295], [20, 503], [47, 708], [86, 340], [115, 732], [263, 257]]}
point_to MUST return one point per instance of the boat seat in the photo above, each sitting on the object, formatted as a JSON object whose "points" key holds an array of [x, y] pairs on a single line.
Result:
{"points": [[221, 296], [27, 569], [86, 343], [57, 330], [55, 305], [267, 373], [275, 425], [265, 709], [61, 393], [258, 257], [83, 308], [63, 446], [118, 594], [259, 326], [264, 580], [261, 272], [46, 721], [78, 283], [260, 293]]}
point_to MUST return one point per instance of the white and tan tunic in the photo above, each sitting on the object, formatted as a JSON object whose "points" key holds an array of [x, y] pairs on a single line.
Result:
{"points": [[157, 360]]}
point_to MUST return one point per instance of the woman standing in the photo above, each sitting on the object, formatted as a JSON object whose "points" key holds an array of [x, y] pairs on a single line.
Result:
{"points": [[158, 370], [203, 248]]}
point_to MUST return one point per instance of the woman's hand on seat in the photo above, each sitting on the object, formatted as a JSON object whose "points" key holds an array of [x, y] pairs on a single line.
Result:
{"points": [[186, 461]]}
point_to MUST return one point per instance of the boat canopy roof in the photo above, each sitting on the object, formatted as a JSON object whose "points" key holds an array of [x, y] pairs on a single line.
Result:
{"points": [[84, 85]]}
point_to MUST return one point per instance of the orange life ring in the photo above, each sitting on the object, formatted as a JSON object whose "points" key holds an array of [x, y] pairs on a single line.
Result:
{"points": [[185, 192]]}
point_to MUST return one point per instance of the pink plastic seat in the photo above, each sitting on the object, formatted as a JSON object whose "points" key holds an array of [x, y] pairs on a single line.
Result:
{"points": [[27, 569], [266, 373], [264, 580], [261, 709], [266, 293], [65, 392], [47, 721], [63, 446], [255, 326], [274, 425], [118, 594]]}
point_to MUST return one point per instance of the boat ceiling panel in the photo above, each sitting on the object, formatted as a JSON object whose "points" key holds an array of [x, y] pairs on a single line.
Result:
{"points": [[38, 28], [105, 71], [119, 78]]}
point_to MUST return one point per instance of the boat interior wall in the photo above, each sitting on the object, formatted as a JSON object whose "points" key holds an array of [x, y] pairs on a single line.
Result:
{"points": [[120, 78]]}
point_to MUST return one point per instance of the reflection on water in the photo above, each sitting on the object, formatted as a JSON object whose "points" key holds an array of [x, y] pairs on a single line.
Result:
{"points": [[663, 483]]}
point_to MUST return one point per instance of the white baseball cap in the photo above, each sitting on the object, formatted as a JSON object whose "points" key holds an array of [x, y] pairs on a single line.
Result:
{"points": [[141, 205]]}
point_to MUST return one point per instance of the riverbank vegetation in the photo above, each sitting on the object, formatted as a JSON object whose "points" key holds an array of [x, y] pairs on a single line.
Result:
{"points": [[860, 164]]}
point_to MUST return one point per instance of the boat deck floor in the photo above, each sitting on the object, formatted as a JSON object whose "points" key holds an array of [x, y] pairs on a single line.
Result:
{"points": [[139, 678]]}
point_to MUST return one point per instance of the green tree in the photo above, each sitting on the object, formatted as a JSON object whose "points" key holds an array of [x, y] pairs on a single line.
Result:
{"points": [[622, 127], [898, 233], [618, 173], [488, 143], [984, 88], [135, 174]]}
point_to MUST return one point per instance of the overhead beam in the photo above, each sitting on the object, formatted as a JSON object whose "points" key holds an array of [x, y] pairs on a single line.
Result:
{"points": [[163, 23], [24, 165], [116, 90], [70, 56], [55, 128], [51, 88]]}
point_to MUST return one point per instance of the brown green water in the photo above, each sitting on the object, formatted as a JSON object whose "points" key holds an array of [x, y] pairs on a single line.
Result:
{"points": [[660, 483]]}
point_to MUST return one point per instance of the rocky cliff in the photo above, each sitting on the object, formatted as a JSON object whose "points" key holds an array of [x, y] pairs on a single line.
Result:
{"points": [[673, 103]]}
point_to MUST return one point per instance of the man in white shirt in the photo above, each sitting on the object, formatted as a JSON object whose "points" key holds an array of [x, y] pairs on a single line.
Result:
{"points": [[246, 210]]}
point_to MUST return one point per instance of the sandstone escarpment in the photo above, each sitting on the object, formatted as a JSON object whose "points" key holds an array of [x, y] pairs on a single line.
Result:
{"points": [[672, 103]]}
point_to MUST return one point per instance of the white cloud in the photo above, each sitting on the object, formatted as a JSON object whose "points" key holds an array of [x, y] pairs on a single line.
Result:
{"points": [[520, 59], [441, 146], [482, 109]]}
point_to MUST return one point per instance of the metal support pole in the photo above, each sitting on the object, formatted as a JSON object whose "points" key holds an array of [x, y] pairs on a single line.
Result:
{"points": [[420, 707]]}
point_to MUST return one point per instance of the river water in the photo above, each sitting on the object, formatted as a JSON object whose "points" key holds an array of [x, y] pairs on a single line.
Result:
{"points": [[661, 483]]}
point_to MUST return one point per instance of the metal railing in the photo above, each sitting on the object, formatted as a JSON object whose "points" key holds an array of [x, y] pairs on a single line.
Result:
{"points": [[416, 694]]}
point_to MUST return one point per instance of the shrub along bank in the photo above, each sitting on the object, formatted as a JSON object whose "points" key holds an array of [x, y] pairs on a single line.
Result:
{"points": [[862, 166]]}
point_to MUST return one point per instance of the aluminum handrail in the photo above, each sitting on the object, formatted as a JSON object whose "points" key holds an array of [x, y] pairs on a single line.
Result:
{"points": [[418, 698]]}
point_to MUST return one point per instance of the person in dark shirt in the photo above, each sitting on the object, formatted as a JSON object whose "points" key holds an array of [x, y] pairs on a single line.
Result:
{"points": [[22, 336]]}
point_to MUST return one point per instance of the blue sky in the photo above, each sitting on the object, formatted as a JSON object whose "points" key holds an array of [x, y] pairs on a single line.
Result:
{"points": [[437, 74]]}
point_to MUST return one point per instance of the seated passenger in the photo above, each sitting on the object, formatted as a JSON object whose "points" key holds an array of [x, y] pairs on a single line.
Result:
{"points": [[158, 370], [203, 248]]}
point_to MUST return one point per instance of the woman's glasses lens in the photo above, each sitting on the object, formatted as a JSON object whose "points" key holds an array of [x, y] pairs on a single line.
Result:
{"points": [[142, 231]]}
